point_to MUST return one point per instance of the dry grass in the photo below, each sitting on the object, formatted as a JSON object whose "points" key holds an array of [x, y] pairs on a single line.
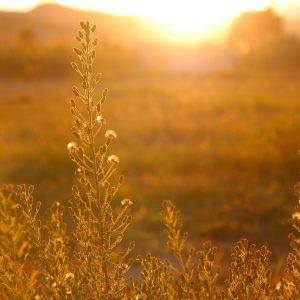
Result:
{"points": [[234, 142], [44, 259]]}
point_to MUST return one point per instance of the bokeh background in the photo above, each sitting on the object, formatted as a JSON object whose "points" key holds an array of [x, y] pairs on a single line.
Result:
{"points": [[208, 115]]}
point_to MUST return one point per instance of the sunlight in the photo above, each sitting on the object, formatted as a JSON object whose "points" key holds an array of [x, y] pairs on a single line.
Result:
{"points": [[177, 18], [194, 18], [182, 19]]}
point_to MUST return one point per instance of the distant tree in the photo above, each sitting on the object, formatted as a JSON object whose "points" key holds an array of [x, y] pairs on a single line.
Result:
{"points": [[26, 38], [252, 30], [262, 43]]}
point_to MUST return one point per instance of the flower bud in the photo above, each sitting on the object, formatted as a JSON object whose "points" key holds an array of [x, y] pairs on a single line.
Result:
{"points": [[126, 202], [72, 147], [113, 159], [75, 91], [77, 51], [111, 134], [99, 119]]}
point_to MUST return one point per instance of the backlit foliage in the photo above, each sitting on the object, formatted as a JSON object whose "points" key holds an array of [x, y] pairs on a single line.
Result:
{"points": [[99, 230], [89, 260]]}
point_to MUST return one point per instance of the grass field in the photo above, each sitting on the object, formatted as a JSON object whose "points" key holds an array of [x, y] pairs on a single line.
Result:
{"points": [[223, 149]]}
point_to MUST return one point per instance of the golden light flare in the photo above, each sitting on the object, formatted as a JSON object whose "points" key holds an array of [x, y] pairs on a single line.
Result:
{"points": [[194, 17], [177, 19], [181, 18]]}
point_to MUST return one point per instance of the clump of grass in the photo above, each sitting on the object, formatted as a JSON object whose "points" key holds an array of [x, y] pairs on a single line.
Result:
{"points": [[47, 261]]}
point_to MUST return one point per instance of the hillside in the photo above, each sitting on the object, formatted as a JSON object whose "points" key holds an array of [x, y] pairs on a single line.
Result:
{"points": [[53, 22]]}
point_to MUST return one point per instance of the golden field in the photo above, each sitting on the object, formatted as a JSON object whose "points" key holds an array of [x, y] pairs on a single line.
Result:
{"points": [[223, 148], [208, 129]]}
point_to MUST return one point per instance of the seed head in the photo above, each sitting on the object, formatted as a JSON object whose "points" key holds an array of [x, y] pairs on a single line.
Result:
{"points": [[99, 119], [113, 159], [278, 285], [69, 276], [77, 51], [57, 241], [75, 91], [72, 147], [111, 134], [73, 104], [82, 24], [126, 202], [74, 66], [105, 185]]}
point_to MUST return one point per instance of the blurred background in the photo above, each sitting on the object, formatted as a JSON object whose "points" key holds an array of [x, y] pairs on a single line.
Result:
{"points": [[205, 97]]}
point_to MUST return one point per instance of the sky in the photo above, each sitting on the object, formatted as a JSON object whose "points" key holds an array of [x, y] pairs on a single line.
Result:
{"points": [[179, 17], [147, 7]]}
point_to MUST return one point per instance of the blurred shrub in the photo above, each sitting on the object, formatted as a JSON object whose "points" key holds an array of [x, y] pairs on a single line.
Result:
{"points": [[262, 44], [22, 62], [26, 58]]}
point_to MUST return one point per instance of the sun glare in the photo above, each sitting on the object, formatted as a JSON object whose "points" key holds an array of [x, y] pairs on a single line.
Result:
{"points": [[180, 18], [188, 22], [190, 18]]}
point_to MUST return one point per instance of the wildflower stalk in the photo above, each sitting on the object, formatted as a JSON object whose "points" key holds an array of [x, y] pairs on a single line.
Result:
{"points": [[90, 107], [99, 229]]}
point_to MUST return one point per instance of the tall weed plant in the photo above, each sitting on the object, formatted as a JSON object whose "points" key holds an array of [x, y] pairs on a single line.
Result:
{"points": [[45, 261]]}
